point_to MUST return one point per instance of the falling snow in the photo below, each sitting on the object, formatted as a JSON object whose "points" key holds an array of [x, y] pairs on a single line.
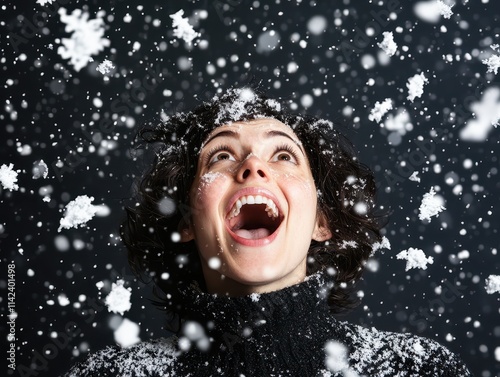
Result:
{"points": [[380, 110], [118, 300], [79, 80], [87, 38], [388, 45], [43, 2], [40, 170], [493, 62], [383, 244], [182, 28], [8, 177], [444, 10], [493, 284], [415, 86], [415, 258], [486, 115], [127, 334], [78, 212], [414, 177], [431, 206], [105, 67]]}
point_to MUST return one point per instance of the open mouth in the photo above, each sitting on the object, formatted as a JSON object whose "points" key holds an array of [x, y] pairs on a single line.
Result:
{"points": [[254, 218]]}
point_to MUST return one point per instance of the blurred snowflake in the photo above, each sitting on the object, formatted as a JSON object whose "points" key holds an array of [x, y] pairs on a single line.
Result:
{"points": [[43, 2], [86, 40]]}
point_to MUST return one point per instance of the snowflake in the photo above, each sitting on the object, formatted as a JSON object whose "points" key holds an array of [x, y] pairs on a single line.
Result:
{"points": [[415, 258], [118, 300], [87, 37], [388, 44], [383, 244], [415, 86], [336, 359], [182, 27], [430, 206], [444, 10], [486, 115], [414, 177], [380, 110], [43, 2], [78, 212], [493, 62], [105, 67], [348, 244], [127, 334], [40, 170], [8, 177], [493, 284]]}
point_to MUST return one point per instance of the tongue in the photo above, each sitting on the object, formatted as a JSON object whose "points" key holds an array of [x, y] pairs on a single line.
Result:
{"points": [[253, 234]]}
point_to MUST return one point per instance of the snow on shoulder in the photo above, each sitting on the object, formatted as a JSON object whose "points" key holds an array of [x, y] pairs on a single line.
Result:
{"points": [[153, 358]]}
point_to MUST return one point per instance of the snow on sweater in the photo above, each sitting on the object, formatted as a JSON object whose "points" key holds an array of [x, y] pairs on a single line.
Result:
{"points": [[282, 333]]}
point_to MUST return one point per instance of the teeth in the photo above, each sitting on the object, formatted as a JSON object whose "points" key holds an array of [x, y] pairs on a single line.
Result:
{"points": [[271, 208], [238, 204]]}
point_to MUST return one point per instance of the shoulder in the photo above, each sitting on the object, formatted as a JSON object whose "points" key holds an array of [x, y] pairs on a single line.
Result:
{"points": [[152, 358], [400, 354]]}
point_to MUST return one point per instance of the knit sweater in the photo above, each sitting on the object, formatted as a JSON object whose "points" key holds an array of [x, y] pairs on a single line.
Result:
{"points": [[289, 332]]}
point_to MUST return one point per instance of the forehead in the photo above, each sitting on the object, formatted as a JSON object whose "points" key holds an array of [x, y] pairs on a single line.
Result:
{"points": [[254, 127]]}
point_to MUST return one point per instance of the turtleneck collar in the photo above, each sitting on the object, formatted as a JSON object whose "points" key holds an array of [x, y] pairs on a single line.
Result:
{"points": [[290, 309]]}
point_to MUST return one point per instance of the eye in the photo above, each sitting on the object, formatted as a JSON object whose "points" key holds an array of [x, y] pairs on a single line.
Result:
{"points": [[284, 156], [285, 153], [222, 156], [220, 153]]}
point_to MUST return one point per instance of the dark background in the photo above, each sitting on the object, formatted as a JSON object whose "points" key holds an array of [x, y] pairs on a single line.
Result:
{"points": [[55, 114]]}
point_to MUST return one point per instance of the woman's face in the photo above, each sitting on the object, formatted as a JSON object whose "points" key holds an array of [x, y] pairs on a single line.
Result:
{"points": [[254, 207]]}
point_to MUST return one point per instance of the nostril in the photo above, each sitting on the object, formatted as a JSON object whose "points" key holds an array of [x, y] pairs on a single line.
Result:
{"points": [[247, 172]]}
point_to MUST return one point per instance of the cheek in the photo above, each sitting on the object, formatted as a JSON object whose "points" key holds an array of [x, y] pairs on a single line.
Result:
{"points": [[297, 186], [208, 189]]}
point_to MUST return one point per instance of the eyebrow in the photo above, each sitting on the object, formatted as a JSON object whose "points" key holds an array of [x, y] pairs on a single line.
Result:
{"points": [[272, 133], [281, 133]]}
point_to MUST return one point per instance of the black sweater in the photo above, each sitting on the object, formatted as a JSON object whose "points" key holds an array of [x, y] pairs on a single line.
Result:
{"points": [[284, 333]]}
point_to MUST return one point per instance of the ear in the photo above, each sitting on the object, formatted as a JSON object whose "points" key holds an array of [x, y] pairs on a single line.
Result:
{"points": [[321, 230], [185, 229]]}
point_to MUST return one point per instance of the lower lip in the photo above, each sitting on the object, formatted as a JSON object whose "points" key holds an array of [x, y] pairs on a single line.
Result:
{"points": [[255, 243]]}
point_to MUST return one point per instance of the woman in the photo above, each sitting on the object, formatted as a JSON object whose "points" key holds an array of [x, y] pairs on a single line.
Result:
{"points": [[254, 224]]}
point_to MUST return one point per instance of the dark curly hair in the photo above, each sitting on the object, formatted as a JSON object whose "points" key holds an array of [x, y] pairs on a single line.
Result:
{"points": [[346, 193]]}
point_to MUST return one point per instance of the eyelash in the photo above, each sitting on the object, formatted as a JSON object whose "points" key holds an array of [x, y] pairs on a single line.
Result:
{"points": [[287, 148], [214, 150], [279, 148]]}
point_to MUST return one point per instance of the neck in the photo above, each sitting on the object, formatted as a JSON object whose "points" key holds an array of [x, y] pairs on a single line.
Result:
{"points": [[289, 310], [222, 285]]}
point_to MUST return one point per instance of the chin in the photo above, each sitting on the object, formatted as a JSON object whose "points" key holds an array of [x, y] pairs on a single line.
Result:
{"points": [[262, 276]]}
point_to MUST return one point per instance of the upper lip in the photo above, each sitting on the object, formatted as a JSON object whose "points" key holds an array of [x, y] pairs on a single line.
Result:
{"points": [[252, 191]]}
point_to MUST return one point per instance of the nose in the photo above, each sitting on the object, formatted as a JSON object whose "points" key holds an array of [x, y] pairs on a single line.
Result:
{"points": [[252, 168]]}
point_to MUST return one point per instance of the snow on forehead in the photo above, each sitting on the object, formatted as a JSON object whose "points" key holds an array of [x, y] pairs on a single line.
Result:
{"points": [[235, 110]]}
